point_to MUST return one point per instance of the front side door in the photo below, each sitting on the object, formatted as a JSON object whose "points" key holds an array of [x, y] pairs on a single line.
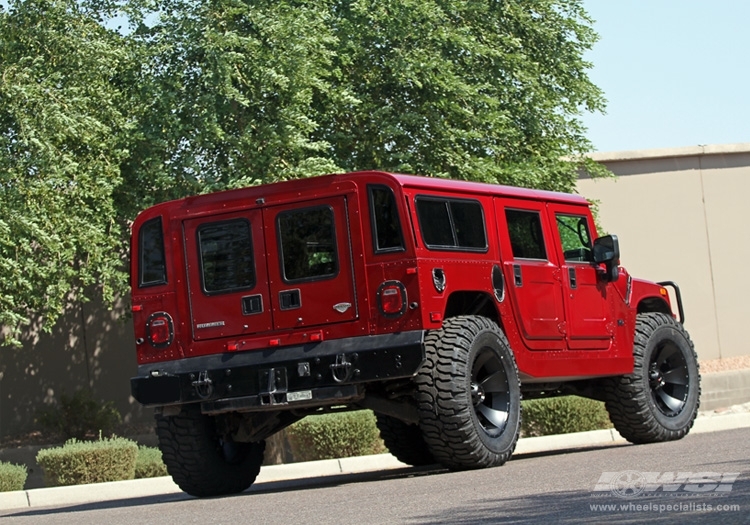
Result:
{"points": [[584, 292], [227, 277], [531, 272], [310, 271]]}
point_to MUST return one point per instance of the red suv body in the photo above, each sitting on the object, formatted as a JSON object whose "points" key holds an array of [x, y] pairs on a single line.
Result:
{"points": [[256, 306]]}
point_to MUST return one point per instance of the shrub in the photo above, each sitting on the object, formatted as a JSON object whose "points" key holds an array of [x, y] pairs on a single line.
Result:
{"points": [[562, 415], [148, 463], [79, 416], [12, 477], [338, 435], [79, 462]]}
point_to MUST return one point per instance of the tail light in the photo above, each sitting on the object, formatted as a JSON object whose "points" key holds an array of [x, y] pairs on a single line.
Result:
{"points": [[160, 330], [392, 299]]}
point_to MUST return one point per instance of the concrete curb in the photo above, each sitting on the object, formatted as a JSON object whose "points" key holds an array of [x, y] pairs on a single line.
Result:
{"points": [[165, 488]]}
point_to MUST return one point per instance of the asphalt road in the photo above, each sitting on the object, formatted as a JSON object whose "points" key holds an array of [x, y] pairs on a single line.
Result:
{"points": [[710, 476]]}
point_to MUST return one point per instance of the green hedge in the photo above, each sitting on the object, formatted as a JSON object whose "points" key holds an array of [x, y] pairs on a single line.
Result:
{"points": [[149, 464], [12, 477], [337, 435], [562, 415], [79, 462]]}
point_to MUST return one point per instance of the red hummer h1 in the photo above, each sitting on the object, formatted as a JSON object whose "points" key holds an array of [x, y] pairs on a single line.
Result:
{"points": [[435, 303]]}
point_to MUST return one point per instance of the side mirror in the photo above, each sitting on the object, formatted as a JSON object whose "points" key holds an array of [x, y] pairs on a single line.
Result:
{"points": [[607, 252]]}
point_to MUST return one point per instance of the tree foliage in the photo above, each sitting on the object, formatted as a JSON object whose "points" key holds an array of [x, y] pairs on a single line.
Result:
{"points": [[485, 91], [229, 87], [62, 136], [97, 124]]}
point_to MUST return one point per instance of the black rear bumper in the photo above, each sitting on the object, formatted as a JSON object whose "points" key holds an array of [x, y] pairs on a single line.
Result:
{"points": [[315, 374]]}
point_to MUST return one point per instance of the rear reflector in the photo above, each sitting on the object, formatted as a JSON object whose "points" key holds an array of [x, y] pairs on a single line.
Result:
{"points": [[392, 299], [160, 330]]}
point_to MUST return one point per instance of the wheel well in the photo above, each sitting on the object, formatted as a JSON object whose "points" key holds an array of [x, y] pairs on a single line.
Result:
{"points": [[653, 304], [471, 303]]}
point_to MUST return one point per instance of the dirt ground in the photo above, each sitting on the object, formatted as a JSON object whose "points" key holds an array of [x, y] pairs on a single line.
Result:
{"points": [[722, 365]]}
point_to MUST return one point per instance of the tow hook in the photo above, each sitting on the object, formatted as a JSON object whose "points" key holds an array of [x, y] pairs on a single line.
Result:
{"points": [[341, 369], [204, 387]]}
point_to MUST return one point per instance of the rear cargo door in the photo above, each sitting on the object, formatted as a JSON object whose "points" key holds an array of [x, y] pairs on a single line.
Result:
{"points": [[227, 276], [310, 263]]}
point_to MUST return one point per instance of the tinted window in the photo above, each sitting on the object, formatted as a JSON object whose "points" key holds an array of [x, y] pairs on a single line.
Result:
{"points": [[435, 223], [469, 224], [575, 238], [152, 269], [307, 243], [226, 255], [451, 224], [385, 222], [525, 232]]}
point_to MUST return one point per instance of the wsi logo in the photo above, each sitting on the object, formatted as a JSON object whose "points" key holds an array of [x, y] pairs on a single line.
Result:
{"points": [[633, 483]]}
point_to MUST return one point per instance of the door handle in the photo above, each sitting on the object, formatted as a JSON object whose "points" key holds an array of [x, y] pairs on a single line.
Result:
{"points": [[572, 278], [517, 275]]}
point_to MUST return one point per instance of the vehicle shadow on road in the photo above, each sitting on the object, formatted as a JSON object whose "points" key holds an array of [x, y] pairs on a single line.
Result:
{"points": [[301, 484]]}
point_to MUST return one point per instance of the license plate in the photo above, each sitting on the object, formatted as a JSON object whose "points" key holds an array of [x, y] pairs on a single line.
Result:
{"points": [[303, 395]]}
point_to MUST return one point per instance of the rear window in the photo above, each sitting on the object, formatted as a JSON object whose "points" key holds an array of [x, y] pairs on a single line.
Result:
{"points": [[152, 269], [386, 225], [451, 224], [226, 256], [307, 241]]}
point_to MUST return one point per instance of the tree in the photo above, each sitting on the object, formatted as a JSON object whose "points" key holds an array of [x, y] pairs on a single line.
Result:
{"points": [[229, 88], [97, 124], [479, 90], [62, 123]]}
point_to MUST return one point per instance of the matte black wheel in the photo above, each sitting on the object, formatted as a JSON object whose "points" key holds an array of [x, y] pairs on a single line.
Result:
{"points": [[200, 461], [469, 394], [659, 400], [404, 441]]}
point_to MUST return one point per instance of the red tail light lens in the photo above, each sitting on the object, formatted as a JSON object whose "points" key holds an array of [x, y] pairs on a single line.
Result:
{"points": [[160, 330], [392, 299]]}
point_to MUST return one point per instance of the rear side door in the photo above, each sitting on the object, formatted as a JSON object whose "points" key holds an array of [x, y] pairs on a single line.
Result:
{"points": [[531, 272], [585, 294], [227, 275], [310, 269]]}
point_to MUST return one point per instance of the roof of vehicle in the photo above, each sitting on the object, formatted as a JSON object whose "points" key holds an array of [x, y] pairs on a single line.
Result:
{"points": [[227, 199], [413, 181]]}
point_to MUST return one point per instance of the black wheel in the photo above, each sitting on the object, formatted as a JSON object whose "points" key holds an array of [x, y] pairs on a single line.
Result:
{"points": [[469, 394], [404, 441], [200, 461], [660, 399]]}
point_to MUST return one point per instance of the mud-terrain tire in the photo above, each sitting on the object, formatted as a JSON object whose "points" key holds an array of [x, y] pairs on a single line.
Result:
{"points": [[660, 399], [200, 462], [469, 394], [404, 441]]}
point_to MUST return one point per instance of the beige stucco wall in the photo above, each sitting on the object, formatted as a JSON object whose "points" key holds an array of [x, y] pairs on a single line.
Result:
{"points": [[92, 347], [680, 215]]}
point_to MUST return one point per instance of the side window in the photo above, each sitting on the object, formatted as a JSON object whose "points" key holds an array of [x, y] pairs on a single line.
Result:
{"points": [[451, 224], [525, 232], [385, 222], [435, 223], [226, 256], [152, 269], [307, 241], [575, 238]]}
